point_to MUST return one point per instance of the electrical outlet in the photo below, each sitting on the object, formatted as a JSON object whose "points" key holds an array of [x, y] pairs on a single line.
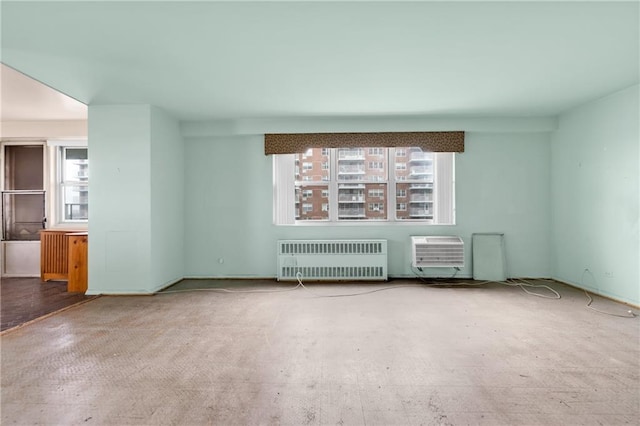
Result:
{"points": [[608, 274], [221, 260]]}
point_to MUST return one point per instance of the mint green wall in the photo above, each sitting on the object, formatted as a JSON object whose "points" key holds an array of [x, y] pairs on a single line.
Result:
{"points": [[119, 199], [502, 186], [167, 199], [595, 196], [136, 218]]}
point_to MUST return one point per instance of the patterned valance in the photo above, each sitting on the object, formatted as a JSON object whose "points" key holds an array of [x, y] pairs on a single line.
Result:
{"points": [[291, 143]]}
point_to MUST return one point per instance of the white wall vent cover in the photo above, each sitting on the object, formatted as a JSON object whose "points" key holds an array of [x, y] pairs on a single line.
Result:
{"points": [[437, 251], [330, 260]]}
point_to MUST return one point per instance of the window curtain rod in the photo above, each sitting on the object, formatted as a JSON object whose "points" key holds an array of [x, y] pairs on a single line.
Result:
{"points": [[292, 143]]}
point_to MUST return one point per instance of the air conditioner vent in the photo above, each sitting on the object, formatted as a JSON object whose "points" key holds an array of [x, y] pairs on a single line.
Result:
{"points": [[437, 251]]}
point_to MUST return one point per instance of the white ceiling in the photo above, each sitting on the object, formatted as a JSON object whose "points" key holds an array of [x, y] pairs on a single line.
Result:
{"points": [[24, 99], [214, 60]]}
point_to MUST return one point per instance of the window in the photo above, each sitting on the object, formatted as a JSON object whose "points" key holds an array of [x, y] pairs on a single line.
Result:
{"points": [[307, 166], [401, 152], [376, 151], [356, 187], [23, 190], [401, 166], [74, 184], [376, 193]]}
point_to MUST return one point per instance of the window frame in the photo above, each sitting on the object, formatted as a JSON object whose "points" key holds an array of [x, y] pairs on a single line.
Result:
{"points": [[63, 183], [284, 213], [56, 185]]}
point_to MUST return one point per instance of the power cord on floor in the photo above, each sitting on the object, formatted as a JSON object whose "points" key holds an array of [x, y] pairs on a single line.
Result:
{"points": [[435, 282], [513, 282], [523, 283], [299, 285], [299, 278], [629, 314]]}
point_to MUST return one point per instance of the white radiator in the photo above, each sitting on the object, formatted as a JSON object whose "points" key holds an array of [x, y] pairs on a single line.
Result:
{"points": [[332, 260], [437, 251]]}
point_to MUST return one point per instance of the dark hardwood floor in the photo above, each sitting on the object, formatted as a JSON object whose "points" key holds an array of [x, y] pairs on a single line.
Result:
{"points": [[25, 299]]}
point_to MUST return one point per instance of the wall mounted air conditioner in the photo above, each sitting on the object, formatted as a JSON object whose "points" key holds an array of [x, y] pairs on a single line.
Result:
{"points": [[437, 251]]}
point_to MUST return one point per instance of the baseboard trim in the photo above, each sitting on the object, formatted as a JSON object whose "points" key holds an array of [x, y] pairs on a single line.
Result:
{"points": [[606, 296], [200, 277]]}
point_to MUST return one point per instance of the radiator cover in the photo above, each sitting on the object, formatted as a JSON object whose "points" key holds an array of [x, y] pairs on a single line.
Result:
{"points": [[332, 260]]}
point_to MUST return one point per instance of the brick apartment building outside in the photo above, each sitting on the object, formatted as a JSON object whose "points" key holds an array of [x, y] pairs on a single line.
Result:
{"points": [[362, 184]]}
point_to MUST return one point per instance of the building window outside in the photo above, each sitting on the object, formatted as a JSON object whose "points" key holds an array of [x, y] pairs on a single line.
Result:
{"points": [[373, 193], [357, 186]]}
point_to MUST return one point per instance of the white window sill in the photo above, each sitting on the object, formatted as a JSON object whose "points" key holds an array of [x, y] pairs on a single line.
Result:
{"points": [[362, 223]]}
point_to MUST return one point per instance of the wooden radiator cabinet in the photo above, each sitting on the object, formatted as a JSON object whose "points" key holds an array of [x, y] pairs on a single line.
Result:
{"points": [[54, 256], [63, 256], [78, 268]]}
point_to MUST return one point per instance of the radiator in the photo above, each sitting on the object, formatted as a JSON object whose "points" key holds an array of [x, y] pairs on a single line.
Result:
{"points": [[332, 260], [54, 263]]}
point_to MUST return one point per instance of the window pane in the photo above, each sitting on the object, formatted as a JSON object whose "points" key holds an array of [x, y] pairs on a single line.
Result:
{"points": [[414, 166], [75, 202], [23, 167], [76, 154], [414, 201], [313, 165], [75, 165], [362, 201], [414, 190], [359, 198], [362, 164], [311, 202], [22, 216]]}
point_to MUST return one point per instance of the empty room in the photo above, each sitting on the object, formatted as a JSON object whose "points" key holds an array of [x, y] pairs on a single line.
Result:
{"points": [[320, 213]]}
